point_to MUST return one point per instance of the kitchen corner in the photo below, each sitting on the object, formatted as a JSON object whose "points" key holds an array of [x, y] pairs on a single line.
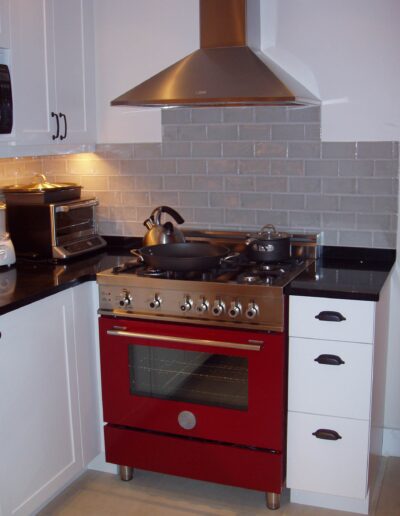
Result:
{"points": [[312, 177]]}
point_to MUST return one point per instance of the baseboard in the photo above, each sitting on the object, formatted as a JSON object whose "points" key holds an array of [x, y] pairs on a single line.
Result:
{"points": [[339, 503], [99, 464], [391, 442]]}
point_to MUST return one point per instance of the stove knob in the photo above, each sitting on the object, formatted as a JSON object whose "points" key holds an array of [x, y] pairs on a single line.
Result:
{"points": [[126, 298], [252, 311], [218, 308], [155, 303], [186, 304], [235, 309], [202, 307]]}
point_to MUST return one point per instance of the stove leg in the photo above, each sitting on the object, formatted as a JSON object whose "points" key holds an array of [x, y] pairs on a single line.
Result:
{"points": [[273, 500], [126, 473]]}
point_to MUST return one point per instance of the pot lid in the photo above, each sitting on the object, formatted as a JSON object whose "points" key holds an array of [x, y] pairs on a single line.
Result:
{"points": [[41, 185], [268, 232]]}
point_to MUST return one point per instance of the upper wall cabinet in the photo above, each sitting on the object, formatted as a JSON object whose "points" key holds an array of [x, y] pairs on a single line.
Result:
{"points": [[52, 48], [4, 23]]}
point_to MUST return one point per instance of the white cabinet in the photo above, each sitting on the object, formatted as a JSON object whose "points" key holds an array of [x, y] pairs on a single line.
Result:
{"points": [[52, 49], [4, 23], [331, 357], [43, 432]]}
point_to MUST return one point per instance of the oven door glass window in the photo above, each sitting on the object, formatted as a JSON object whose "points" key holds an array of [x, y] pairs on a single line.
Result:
{"points": [[75, 222], [190, 376]]}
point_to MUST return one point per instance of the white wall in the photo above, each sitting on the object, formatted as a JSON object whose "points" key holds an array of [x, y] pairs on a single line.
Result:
{"points": [[134, 40], [348, 53]]}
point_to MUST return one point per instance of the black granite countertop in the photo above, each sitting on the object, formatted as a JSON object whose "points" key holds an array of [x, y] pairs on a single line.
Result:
{"points": [[345, 273], [334, 275], [31, 280]]}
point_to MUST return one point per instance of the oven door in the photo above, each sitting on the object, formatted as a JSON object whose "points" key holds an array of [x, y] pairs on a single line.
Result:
{"points": [[219, 384], [74, 221]]}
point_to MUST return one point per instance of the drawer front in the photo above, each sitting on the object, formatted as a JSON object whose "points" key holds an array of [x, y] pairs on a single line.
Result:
{"points": [[328, 386], [353, 321], [336, 467]]}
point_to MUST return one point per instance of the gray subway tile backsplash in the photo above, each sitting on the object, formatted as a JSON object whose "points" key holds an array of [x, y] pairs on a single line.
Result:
{"points": [[339, 150], [241, 168]]}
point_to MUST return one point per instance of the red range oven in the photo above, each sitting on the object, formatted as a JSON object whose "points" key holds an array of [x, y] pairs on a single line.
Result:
{"points": [[194, 373]]}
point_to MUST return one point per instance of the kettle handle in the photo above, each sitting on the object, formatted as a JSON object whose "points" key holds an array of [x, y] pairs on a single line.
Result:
{"points": [[156, 214]]}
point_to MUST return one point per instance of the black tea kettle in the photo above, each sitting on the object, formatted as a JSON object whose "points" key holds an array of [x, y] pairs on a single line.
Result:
{"points": [[165, 233]]}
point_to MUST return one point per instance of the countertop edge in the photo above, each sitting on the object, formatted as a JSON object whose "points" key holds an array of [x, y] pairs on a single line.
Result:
{"points": [[333, 294], [47, 292]]}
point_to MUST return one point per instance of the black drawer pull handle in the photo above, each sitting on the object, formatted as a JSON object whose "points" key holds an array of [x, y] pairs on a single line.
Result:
{"points": [[63, 136], [329, 360], [329, 435], [55, 136], [330, 316]]}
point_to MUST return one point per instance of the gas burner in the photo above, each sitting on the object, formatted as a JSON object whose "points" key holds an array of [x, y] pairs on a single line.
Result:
{"points": [[154, 273], [257, 278]]}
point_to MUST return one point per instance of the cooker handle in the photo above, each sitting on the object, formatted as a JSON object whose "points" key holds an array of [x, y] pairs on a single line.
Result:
{"points": [[182, 340]]}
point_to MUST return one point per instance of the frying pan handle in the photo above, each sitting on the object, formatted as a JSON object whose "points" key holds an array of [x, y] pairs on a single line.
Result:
{"points": [[136, 252], [230, 257]]}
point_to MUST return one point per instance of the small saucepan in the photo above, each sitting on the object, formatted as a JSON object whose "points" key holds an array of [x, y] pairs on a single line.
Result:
{"points": [[268, 245], [184, 257]]}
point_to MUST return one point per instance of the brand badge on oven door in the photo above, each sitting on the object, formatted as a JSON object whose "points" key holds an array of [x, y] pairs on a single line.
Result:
{"points": [[187, 420]]}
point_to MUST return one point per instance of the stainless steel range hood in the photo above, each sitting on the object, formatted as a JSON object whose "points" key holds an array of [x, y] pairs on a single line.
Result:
{"points": [[223, 72]]}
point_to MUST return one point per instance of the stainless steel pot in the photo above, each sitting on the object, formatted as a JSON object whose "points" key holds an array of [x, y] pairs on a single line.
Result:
{"points": [[268, 245], [163, 233]]}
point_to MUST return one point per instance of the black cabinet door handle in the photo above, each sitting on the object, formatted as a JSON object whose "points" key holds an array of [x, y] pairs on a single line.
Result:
{"points": [[329, 360], [330, 316], [55, 136], [63, 136], [328, 435]]}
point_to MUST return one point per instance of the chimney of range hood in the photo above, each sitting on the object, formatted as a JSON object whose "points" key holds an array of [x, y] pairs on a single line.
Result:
{"points": [[223, 72]]}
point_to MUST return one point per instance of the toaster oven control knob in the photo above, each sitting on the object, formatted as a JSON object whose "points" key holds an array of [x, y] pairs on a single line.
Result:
{"points": [[235, 309], [155, 303], [202, 306], [186, 304], [252, 311], [218, 308], [126, 298]]}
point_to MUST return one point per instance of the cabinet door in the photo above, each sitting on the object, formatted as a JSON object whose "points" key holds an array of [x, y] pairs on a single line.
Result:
{"points": [[39, 413], [331, 319], [32, 72], [330, 377], [72, 23], [337, 467]]}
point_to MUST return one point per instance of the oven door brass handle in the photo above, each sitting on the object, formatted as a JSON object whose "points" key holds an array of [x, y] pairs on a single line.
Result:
{"points": [[85, 204], [183, 340]]}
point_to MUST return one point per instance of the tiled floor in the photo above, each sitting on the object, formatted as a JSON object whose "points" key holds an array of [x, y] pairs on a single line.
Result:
{"points": [[151, 494]]}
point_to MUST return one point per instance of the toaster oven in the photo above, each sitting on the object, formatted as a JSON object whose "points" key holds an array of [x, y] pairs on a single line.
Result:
{"points": [[57, 230]]}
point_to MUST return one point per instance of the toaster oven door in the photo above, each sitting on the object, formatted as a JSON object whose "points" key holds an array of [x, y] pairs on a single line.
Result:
{"points": [[74, 221]]}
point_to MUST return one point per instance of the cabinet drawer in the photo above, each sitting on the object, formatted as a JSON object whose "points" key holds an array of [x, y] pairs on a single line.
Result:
{"points": [[337, 390], [357, 324], [327, 466]]}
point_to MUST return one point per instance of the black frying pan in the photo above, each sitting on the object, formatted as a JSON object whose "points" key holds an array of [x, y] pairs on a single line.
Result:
{"points": [[184, 257]]}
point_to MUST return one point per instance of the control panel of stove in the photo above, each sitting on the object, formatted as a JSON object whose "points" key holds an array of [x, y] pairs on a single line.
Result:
{"points": [[214, 307]]}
